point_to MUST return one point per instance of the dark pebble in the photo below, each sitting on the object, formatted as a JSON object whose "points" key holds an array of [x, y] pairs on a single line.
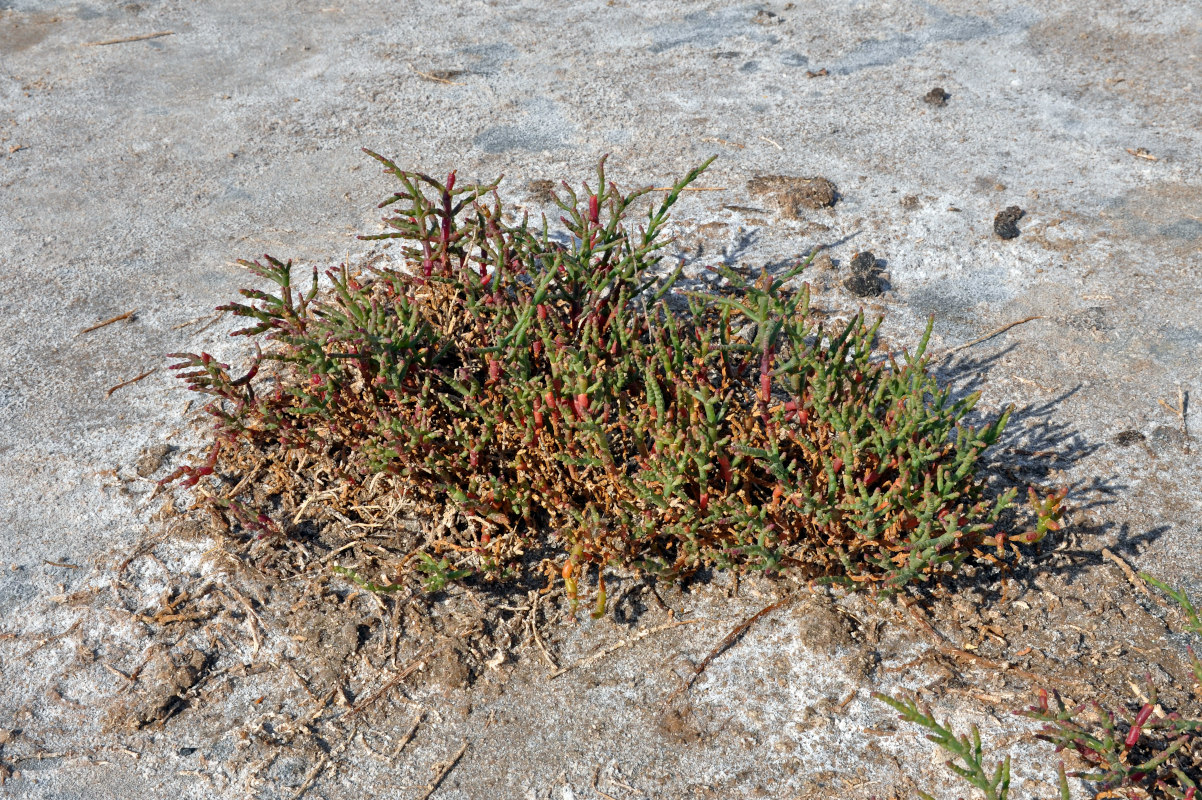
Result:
{"points": [[936, 97], [862, 285], [863, 262], [864, 280], [1005, 224], [1128, 438]]}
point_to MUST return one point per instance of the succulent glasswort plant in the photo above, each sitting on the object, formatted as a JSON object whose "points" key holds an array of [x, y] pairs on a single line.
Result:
{"points": [[545, 387], [1136, 752], [994, 784], [1141, 752], [1145, 748]]}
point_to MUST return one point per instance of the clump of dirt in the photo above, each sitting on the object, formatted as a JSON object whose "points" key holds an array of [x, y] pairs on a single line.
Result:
{"points": [[1092, 319], [1005, 224], [152, 459], [447, 669], [327, 636], [863, 262], [936, 97], [1164, 436], [823, 263], [792, 194], [169, 680], [865, 277], [541, 190], [680, 727], [822, 274], [822, 627], [1128, 438]]}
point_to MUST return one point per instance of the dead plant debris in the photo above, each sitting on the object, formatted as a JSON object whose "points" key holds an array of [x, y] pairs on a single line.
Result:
{"points": [[131, 381], [110, 321], [141, 37]]}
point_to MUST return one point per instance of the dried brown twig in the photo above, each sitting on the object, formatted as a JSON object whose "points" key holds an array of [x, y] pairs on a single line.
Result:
{"points": [[110, 321], [436, 78], [122, 40], [1181, 411], [123, 384], [984, 338], [729, 640], [405, 672], [444, 770], [639, 636]]}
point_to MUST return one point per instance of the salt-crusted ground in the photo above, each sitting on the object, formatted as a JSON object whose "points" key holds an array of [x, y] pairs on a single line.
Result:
{"points": [[133, 174]]}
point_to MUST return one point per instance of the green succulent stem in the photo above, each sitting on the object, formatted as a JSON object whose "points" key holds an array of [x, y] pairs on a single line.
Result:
{"points": [[557, 387]]}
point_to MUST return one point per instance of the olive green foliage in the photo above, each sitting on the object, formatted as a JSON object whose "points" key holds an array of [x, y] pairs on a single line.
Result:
{"points": [[558, 389]]}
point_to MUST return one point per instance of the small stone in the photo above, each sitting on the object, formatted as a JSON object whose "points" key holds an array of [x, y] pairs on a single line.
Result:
{"points": [[863, 285], [1167, 436], [863, 262], [1005, 224], [1128, 438], [865, 278], [936, 97]]}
